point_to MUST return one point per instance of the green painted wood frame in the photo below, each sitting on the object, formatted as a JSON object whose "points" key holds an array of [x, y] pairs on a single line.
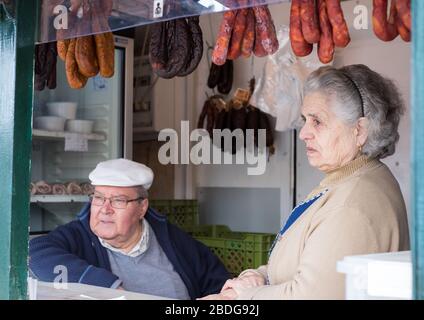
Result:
{"points": [[18, 24]]}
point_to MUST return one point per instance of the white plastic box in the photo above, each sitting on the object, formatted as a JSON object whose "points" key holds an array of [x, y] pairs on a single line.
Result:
{"points": [[67, 110], [378, 276]]}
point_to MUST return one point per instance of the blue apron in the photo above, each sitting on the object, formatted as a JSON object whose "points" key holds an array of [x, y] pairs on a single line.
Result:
{"points": [[295, 214]]}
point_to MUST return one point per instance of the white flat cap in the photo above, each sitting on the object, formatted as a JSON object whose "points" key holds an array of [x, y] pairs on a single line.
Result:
{"points": [[121, 173]]}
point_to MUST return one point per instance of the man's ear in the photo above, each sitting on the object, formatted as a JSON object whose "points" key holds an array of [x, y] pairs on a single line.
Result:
{"points": [[144, 207], [362, 131]]}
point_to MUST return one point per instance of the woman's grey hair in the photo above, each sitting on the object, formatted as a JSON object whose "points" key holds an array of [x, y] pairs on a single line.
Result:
{"points": [[142, 192], [357, 91]]}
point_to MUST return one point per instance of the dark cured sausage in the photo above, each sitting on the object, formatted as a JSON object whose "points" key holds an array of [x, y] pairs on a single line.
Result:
{"points": [[51, 65], [225, 83], [158, 46], [252, 123], [178, 48], [214, 75], [196, 46]]}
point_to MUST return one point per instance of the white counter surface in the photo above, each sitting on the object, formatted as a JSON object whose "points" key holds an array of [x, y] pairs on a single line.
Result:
{"points": [[77, 291], [378, 276]]}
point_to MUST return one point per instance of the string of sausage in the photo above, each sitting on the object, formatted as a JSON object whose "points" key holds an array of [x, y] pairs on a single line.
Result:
{"points": [[266, 38], [309, 21], [398, 22], [326, 43], [244, 31], [384, 28], [341, 35], [300, 46], [321, 22], [240, 25], [249, 35], [220, 52]]}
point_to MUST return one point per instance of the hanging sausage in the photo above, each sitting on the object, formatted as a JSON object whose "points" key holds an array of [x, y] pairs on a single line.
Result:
{"points": [[385, 28], [300, 46], [221, 77], [326, 43], [45, 66], [398, 22], [309, 21], [176, 47], [196, 47], [320, 21], [243, 32], [87, 56]]}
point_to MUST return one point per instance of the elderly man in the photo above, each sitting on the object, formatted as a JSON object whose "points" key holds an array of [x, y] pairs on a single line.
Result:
{"points": [[119, 242]]}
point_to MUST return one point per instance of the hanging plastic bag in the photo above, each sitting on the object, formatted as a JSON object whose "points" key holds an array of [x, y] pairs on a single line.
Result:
{"points": [[279, 91]]}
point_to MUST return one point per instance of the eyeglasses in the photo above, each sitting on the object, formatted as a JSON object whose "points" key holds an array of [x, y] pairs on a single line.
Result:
{"points": [[117, 203]]}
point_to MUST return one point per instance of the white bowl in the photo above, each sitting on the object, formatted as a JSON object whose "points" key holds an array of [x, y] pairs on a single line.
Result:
{"points": [[80, 126], [67, 110], [50, 123]]}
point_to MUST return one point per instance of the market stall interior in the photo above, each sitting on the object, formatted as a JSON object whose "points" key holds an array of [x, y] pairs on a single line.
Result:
{"points": [[123, 72]]}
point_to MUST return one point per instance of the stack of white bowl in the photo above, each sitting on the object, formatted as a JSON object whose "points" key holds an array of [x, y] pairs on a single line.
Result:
{"points": [[61, 116], [49, 123]]}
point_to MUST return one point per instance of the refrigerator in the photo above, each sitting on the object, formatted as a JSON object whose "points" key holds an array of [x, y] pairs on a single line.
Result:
{"points": [[62, 160]]}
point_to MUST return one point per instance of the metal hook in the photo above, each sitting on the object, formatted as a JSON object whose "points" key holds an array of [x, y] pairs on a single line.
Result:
{"points": [[209, 46]]}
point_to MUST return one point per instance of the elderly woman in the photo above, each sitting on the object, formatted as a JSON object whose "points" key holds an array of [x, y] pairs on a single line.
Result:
{"points": [[351, 118]]}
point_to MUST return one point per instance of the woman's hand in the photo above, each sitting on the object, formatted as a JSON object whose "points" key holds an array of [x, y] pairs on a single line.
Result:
{"points": [[229, 294], [247, 280]]}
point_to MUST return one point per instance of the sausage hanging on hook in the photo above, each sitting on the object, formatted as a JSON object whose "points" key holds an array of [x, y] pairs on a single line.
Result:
{"points": [[384, 27]]}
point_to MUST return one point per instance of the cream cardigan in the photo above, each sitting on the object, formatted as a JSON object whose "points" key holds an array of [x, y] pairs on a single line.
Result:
{"points": [[362, 212]]}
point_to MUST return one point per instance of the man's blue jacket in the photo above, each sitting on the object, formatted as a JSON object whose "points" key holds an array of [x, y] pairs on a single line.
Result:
{"points": [[77, 248]]}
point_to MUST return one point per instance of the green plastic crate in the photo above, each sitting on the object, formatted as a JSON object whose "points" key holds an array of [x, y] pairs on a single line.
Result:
{"points": [[208, 230], [240, 250], [182, 213]]}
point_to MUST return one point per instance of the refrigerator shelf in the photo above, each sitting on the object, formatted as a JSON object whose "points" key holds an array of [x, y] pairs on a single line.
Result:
{"points": [[58, 198], [60, 135]]}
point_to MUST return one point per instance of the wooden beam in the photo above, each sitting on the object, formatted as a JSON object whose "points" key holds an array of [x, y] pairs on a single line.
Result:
{"points": [[17, 34]]}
